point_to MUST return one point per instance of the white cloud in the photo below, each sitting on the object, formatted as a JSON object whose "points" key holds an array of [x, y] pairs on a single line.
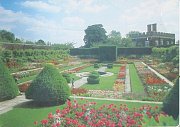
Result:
{"points": [[73, 22], [163, 12], [42, 28], [83, 6], [41, 6]]}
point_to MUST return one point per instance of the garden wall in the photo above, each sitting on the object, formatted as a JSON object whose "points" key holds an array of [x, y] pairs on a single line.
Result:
{"points": [[120, 51]]}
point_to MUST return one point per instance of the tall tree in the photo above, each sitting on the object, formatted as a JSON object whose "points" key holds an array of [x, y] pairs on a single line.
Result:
{"points": [[40, 42], [126, 42], [114, 34], [114, 38], [132, 33], [6, 36], [94, 34]]}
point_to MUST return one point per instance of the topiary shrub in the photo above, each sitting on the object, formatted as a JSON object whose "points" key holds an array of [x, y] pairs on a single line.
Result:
{"points": [[49, 87], [67, 77], [171, 102], [93, 78], [110, 66], [96, 65], [8, 86]]}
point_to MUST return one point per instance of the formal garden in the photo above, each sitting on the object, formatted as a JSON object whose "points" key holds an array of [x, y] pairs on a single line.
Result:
{"points": [[104, 86]]}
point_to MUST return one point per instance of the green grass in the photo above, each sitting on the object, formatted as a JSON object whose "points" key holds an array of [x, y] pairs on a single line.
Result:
{"points": [[74, 76], [136, 84], [24, 117], [26, 79], [63, 68], [88, 69], [106, 83]]}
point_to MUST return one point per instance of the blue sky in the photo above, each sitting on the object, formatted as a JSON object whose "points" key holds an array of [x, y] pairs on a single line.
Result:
{"points": [[61, 21]]}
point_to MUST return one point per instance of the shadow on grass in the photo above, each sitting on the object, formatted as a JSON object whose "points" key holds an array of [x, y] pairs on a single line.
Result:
{"points": [[34, 104]]}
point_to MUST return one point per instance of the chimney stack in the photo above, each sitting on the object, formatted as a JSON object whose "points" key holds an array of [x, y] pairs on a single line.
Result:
{"points": [[149, 28], [154, 27]]}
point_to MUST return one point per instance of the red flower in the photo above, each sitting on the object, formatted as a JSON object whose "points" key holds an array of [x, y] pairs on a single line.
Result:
{"points": [[58, 111], [35, 122], [44, 122]]}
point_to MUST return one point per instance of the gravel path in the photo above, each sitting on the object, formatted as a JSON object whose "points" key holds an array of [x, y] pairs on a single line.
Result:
{"points": [[127, 80], [159, 75], [123, 100], [8, 105]]}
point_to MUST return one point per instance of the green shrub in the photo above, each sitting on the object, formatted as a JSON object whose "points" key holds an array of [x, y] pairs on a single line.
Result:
{"points": [[110, 66], [8, 86], [96, 65], [171, 102], [49, 87], [93, 78], [107, 53], [67, 77]]}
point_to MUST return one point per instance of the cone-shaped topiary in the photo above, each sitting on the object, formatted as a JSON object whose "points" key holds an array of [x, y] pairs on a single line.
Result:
{"points": [[93, 78], [171, 102], [8, 87], [49, 87]]}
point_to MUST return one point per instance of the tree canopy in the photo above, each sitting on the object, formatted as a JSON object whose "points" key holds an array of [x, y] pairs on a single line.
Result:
{"points": [[6, 36], [40, 42], [132, 33], [94, 34]]}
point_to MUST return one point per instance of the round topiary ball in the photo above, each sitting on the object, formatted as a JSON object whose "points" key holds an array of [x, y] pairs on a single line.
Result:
{"points": [[8, 87], [49, 87]]}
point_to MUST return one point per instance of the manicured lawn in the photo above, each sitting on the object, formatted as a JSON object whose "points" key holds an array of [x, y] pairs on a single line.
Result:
{"points": [[74, 76], [63, 68], [88, 69], [24, 117], [26, 78], [136, 84], [106, 83]]}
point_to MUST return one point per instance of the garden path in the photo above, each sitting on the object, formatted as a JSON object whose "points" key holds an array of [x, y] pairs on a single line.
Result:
{"points": [[159, 75], [26, 71], [79, 83], [8, 105], [83, 75], [122, 100], [127, 80]]}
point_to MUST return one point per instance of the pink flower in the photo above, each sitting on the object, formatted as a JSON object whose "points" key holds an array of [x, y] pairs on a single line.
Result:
{"points": [[44, 122]]}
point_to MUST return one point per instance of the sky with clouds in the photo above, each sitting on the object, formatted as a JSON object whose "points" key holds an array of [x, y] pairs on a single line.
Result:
{"points": [[60, 21]]}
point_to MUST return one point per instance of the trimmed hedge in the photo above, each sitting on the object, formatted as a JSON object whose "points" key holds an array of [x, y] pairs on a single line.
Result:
{"points": [[93, 78], [171, 102], [110, 66], [96, 65], [67, 77], [84, 51], [107, 53], [134, 51], [8, 87], [49, 87]]}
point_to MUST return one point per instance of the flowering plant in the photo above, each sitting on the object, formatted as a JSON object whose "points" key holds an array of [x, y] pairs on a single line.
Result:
{"points": [[90, 115]]}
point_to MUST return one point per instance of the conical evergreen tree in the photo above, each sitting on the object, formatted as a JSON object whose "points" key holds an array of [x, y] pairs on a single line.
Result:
{"points": [[8, 87], [171, 102], [49, 87]]}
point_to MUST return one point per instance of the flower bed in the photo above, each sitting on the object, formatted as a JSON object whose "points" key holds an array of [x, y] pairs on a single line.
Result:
{"points": [[89, 115], [23, 87], [104, 94], [74, 70], [156, 87], [23, 74], [119, 84], [79, 91]]}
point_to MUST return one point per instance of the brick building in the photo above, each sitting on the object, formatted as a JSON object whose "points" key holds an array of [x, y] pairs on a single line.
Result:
{"points": [[153, 38]]}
